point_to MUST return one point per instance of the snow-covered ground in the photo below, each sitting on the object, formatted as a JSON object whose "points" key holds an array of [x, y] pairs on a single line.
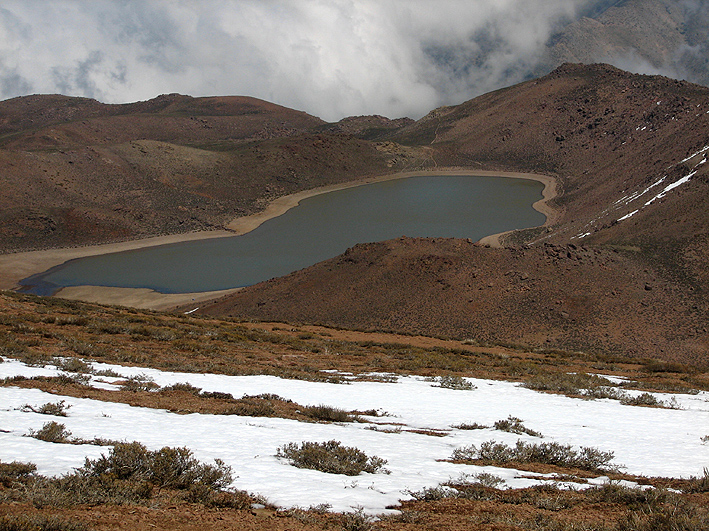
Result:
{"points": [[647, 441]]}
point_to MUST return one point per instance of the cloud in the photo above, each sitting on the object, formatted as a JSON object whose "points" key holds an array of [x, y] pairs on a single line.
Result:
{"points": [[331, 58]]}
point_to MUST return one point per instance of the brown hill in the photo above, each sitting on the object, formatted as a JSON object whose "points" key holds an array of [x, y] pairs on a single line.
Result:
{"points": [[566, 297], [614, 141], [75, 171]]}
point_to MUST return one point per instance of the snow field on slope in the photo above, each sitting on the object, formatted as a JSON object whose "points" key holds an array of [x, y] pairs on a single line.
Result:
{"points": [[647, 441]]}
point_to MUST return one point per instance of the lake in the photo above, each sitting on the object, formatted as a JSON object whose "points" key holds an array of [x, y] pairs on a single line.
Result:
{"points": [[319, 228]]}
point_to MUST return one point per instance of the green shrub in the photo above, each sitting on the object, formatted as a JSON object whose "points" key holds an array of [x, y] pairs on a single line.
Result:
{"points": [[330, 457], [514, 425], [552, 453]]}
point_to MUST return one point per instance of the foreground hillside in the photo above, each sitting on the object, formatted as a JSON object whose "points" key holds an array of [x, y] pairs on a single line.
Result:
{"points": [[188, 422], [623, 268], [568, 297]]}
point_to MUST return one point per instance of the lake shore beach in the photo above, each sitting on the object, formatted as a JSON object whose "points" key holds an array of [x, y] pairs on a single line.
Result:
{"points": [[17, 266]]}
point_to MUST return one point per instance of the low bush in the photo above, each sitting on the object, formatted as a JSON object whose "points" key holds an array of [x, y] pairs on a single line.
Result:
{"points": [[552, 453], [52, 432], [185, 387], [565, 383], [473, 426], [217, 395], [328, 414], [38, 522], [330, 457], [514, 425], [249, 407], [138, 383], [455, 382], [355, 521], [74, 365], [58, 409], [643, 399], [700, 484], [15, 472], [165, 468], [130, 473]]}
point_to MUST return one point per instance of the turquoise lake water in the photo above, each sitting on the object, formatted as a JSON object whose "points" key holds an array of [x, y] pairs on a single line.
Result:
{"points": [[321, 227]]}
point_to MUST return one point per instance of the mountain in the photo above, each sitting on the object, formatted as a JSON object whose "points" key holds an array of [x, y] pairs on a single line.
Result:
{"points": [[667, 36], [623, 269], [76, 171]]}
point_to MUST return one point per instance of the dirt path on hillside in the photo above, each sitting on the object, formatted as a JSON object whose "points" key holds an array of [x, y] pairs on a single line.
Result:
{"points": [[17, 266]]}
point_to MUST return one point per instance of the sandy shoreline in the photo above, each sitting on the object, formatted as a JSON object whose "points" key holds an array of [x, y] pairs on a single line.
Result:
{"points": [[17, 266]]}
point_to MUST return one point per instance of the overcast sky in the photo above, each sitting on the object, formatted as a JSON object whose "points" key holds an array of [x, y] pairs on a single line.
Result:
{"points": [[331, 58]]}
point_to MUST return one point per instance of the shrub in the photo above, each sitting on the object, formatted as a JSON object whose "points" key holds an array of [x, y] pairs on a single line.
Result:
{"points": [[700, 484], [72, 379], [552, 453], [330, 457], [473, 426], [137, 383], [328, 413], [15, 472], [168, 467], [52, 432], [74, 365], [58, 409], [356, 521], [80, 489], [564, 383], [217, 395], [604, 392], [514, 425], [185, 387], [249, 407], [131, 472], [38, 522], [438, 492], [455, 382]]}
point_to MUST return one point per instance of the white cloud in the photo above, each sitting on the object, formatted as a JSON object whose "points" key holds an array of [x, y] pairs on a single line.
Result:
{"points": [[332, 58]]}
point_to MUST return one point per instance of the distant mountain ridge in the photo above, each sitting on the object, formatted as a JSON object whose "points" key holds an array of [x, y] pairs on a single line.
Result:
{"points": [[666, 36]]}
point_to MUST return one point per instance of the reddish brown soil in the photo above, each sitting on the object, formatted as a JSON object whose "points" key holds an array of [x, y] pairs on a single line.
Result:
{"points": [[563, 297]]}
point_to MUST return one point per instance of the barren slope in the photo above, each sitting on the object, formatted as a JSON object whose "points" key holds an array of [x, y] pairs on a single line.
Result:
{"points": [[614, 141], [75, 171]]}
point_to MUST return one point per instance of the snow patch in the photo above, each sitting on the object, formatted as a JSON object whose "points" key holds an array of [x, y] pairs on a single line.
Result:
{"points": [[654, 442]]}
